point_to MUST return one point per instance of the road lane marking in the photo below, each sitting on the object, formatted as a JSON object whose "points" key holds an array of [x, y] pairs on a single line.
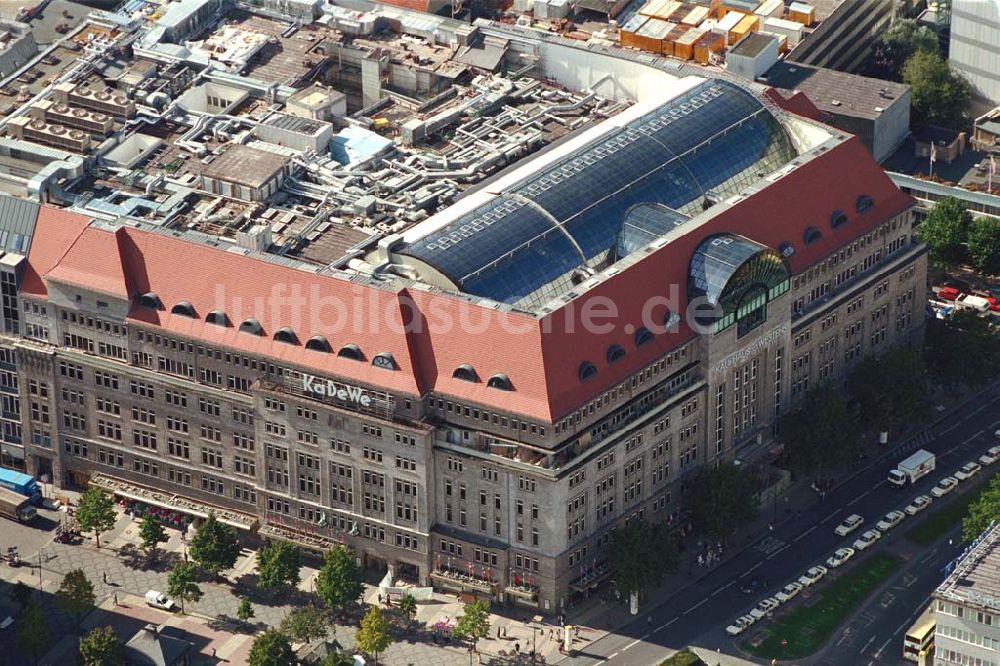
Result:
{"points": [[636, 641], [777, 552], [664, 626], [830, 516], [724, 587], [703, 601], [748, 571], [859, 498], [862, 650], [803, 535], [969, 439]]}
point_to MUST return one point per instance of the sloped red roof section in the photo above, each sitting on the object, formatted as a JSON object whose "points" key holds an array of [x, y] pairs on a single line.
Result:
{"points": [[55, 231]]}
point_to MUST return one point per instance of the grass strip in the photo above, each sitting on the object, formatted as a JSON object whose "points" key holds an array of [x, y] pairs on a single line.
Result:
{"points": [[942, 520], [684, 658], [806, 629]]}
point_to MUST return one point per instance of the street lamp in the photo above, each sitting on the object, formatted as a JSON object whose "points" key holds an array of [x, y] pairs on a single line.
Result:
{"points": [[534, 636]]}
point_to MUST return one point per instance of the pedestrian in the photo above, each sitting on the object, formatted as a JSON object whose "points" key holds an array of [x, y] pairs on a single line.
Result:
{"points": [[498, 633], [649, 620], [213, 653], [517, 648], [104, 577], [380, 599], [114, 599], [505, 632], [552, 633]]}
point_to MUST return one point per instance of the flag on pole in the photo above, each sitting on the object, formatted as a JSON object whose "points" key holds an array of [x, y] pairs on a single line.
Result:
{"points": [[989, 176], [933, 153]]}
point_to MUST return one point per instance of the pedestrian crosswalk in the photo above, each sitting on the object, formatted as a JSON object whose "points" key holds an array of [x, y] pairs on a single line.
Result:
{"points": [[769, 545]]}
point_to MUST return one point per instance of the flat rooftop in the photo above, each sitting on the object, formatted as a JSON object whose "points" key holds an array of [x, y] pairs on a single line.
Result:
{"points": [[975, 579], [751, 45], [245, 166], [835, 92]]}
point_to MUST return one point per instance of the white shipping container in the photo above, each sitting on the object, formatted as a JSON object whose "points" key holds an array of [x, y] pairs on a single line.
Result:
{"points": [[790, 29]]}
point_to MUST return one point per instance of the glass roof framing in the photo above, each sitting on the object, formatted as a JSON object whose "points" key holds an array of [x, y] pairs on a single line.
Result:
{"points": [[716, 137]]}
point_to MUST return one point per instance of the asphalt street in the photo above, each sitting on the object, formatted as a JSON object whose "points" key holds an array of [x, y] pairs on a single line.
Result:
{"points": [[698, 614]]}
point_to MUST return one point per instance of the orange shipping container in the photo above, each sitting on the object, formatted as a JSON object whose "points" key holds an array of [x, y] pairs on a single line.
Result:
{"points": [[684, 46], [749, 24], [669, 44], [802, 13], [651, 35], [695, 17], [710, 42], [627, 35]]}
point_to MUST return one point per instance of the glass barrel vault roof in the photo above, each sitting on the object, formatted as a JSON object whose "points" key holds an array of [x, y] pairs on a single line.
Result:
{"points": [[523, 246]]}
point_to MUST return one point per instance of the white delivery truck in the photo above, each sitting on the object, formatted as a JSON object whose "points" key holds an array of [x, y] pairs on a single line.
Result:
{"points": [[916, 466]]}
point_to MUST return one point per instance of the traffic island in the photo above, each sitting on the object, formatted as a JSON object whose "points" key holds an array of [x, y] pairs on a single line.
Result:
{"points": [[807, 628]]}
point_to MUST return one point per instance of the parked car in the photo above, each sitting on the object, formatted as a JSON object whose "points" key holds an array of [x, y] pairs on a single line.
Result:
{"points": [[740, 625], [813, 576], [891, 519], [867, 539], [991, 456], [919, 503], [948, 293], [944, 486], [839, 556], [788, 592], [968, 471], [160, 600], [851, 523], [764, 608]]}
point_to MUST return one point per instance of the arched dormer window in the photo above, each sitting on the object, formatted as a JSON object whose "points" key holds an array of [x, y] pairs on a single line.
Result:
{"points": [[670, 319], [614, 353], [642, 336], [384, 360], [184, 309], [587, 370], [863, 203], [811, 235], [501, 382], [286, 335], [786, 249], [351, 351], [838, 218], [150, 300], [466, 373], [318, 343], [251, 326], [217, 317]]}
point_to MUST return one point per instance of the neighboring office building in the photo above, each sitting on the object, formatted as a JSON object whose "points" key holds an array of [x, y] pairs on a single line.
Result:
{"points": [[986, 131], [17, 47], [171, 371], [877, 111], [974, 53], [967, 606]]}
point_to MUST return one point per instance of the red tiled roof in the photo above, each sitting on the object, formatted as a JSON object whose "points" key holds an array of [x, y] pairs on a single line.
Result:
{"points": [[541, 356]]}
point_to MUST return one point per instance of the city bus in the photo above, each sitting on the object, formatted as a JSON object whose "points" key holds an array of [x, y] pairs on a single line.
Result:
{"points": [[919, 640]]}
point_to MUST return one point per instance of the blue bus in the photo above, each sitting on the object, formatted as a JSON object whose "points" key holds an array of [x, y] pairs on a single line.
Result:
{"points": [[21, 483]]}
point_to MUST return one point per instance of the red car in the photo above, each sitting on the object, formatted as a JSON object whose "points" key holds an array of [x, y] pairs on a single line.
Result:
{"points": [[948, 293]]}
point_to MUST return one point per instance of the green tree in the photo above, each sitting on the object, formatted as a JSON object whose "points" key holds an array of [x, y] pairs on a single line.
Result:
{"points": [[945, 230], [76, 595], [21, 593], [890, 390], [181, 584], [100, 647], [983, 245], [305, 624], [271, 648], [721, 499], [278, 565], [33, 636], [962, 349], [244, 612], [940, 96], [214, 545], [408, 606], [96, 513], [152, 533], [898, 44], [374, 637], [474, 622], [339, 579], [337, 659], [983, 511], [639, 554], [823, 433]]}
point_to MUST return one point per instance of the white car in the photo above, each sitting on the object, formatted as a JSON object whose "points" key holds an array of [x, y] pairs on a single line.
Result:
{"points": [[968, 471], [160, 600], [788, 592], [944, 486], [851, 523], [891, 519], [813, 576], [839, 556], [919, 503], [764, 608], [991, 456], [867, 539], [740, 625], [997, 434]]}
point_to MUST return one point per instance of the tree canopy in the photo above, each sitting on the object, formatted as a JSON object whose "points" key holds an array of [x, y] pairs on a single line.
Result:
{"points": [[100, 647], [474, 622], [983, 245], [945, 230], [339, 579], [181, 584], [305, 624], [822, 434], [639, 554], [271, 648], [244, 611], [278, 565], [983, 511], [96, 513], [961, 349], [374, 636], [214, 545], [890, 390], [940, 96], [33, 637], [897, 45], [721, 499], [152, 533], [76, 595]]}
